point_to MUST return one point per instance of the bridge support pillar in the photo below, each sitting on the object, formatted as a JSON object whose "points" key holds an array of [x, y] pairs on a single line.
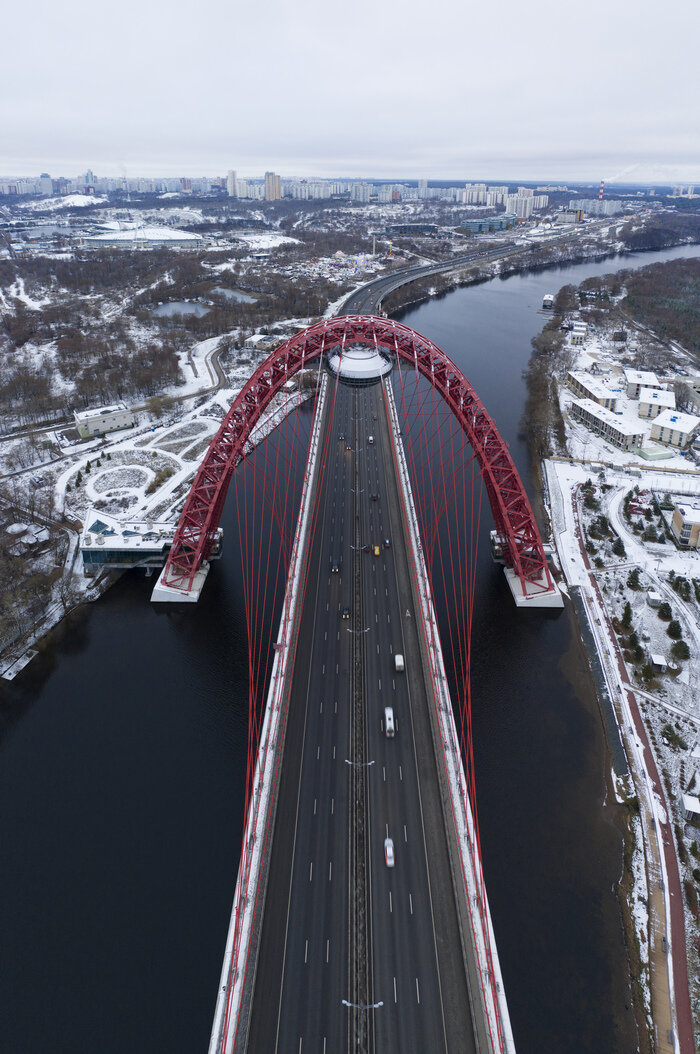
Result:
{"points": [[542, 594], [163, 594]]}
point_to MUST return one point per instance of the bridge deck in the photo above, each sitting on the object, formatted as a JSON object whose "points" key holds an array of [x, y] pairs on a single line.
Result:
{"points": [[416, 965]]}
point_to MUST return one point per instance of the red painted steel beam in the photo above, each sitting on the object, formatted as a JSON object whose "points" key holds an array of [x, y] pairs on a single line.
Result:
{"points": [[515, 523]]}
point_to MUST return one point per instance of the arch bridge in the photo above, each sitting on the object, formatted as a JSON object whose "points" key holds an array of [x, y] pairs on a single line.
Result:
{"points": [[517, 536]]}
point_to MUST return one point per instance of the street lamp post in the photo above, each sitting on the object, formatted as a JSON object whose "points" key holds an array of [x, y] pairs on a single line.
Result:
{"points": [[363, 1010]]}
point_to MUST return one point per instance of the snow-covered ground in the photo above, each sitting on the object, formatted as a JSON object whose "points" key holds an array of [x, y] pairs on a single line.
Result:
{"points": [[69, 201], [266, 241]]}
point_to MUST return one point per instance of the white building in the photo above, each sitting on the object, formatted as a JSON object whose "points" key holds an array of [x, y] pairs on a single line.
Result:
{"points": [[674, 428], [588, 387], [145, 237], [103, 419], [231, 184], [653, 400], [638, 379], [606, 424]]}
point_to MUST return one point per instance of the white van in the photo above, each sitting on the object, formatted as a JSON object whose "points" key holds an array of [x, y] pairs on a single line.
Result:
{"points": [[389, 726], [370, 440], [398, 662]]}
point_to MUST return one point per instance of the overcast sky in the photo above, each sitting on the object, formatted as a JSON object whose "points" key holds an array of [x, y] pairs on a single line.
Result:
{"points": [[444, 89]]}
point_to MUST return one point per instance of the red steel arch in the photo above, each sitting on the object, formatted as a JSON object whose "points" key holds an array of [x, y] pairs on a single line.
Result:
{"points": [[515, 523]]}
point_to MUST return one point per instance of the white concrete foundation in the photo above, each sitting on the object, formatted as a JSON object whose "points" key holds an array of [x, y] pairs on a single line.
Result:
{"points": [[163, 594], [538, 596]]}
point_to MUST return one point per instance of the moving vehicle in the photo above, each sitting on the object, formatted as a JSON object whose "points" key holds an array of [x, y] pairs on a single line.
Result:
{"points": [[398, 662], [370, 440], [374, 497], [345, 612], [335, 566], [387, 543], [389, 851], [389, 724], [376, 550]]}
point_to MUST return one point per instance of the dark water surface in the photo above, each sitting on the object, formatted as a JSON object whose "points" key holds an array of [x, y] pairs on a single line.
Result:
{"points": [[122, 765]]}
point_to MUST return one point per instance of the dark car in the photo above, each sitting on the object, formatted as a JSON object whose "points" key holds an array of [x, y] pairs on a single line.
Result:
{"points": [[387, 543], [345, 612], [374, 497], [366, 548], [335, 566], [348, 447], [341, 436]]}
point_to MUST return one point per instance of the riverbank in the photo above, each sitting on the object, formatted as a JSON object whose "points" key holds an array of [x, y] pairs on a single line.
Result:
{"points": [[586, 521]]}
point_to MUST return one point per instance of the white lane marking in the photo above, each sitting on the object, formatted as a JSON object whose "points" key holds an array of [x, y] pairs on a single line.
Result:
{"points": [[386, 827], [393, 683], [332, 805], [391, 906], [330, 870], [299, 1044], [377, 649], [405, 834], [337, 636], [325, 635], [376, 616], [386, 592], [318, 753], [327, 605], [336, 706], [380, 684], [417, 991], [394, 989], [336, 669], [321, 710], [384, 772], [314, 806], [328, 951], [323, 668], [311, 870], [306, 951], [333, 753], [400, 773], [410, 902]]}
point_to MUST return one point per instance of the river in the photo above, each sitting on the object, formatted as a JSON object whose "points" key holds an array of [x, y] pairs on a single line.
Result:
{"points": [[122, 763]]}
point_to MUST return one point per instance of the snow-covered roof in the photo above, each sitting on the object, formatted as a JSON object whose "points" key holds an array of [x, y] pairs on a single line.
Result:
{"points": [[99, 411], [360, 364], [101, 529], [677, 421], [645, 377], [658, 660], [657, 395], [621, 426], [691, 803], [592, 384], [147, 234], [690, 513]]}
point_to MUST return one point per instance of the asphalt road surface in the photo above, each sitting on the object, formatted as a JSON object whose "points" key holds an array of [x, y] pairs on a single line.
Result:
{"points": [[417, 968]]}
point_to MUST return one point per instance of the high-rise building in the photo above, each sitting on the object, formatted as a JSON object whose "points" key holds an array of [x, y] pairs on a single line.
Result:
{"points": [[45, 184], [273, 186], [231, 184]]}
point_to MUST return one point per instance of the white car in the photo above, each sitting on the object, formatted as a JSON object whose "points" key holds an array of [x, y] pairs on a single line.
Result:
{"points": [[389, 851]]}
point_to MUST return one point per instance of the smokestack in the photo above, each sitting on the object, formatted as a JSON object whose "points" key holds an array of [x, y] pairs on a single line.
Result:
{"points": [[602, 184]]}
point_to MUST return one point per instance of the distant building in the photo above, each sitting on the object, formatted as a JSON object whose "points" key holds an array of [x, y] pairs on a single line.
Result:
{"points": [[685, 524], [360, 192], [146, 237], [605, 424], [593, 207], [103, 419], [232, 183], [653, 400], [638, 379], [273, 186], [45, 184], [675, 429], [489, 223], [589, 387]]}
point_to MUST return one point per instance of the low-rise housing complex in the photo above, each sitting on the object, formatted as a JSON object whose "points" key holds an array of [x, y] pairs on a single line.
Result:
{"points": [[685, 524], [638, 379], [652, 401], [675, 429], [606, 424], [588, 387], [103, 419]]}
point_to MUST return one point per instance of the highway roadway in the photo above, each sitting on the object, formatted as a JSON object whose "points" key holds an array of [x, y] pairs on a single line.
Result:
{"points": [[306, 959]]}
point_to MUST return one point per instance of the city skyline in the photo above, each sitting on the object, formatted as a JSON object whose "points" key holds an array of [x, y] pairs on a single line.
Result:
{"points": [[551, 96]]}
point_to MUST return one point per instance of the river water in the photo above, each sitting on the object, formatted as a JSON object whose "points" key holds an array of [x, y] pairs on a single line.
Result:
{"points": [[122, 763]]}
